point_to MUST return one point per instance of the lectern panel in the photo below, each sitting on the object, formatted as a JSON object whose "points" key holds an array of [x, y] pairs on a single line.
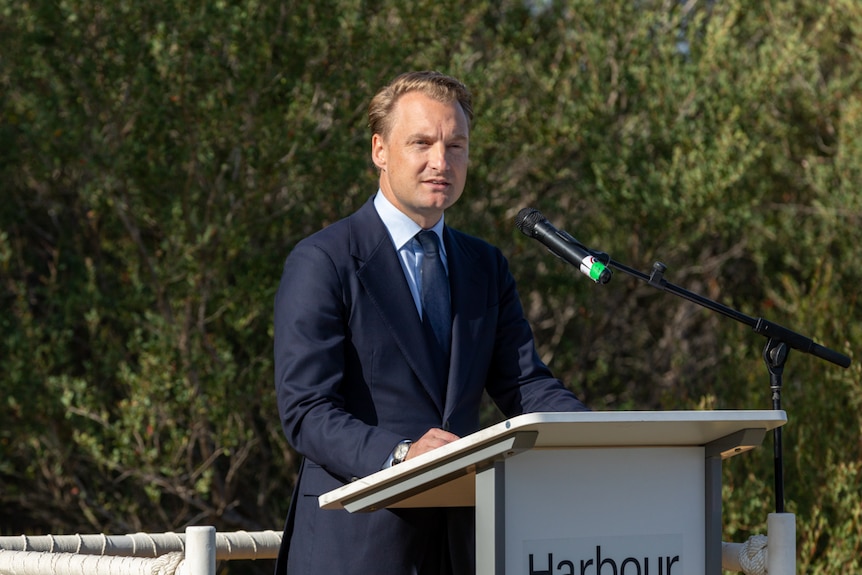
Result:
{"points": [[621, 511]]}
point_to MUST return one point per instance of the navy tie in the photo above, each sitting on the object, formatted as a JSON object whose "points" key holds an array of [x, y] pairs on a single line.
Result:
{"points": [[435, 290]]}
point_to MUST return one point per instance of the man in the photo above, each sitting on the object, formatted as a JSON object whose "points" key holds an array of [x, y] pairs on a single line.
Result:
{"points": [[365, 382]]}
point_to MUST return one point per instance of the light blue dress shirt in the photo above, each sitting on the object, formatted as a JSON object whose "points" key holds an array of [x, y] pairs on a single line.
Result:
{"points": [[402, 231]]}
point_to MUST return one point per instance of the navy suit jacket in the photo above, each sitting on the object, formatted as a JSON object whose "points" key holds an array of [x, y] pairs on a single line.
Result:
{"points": [[355, 375]]}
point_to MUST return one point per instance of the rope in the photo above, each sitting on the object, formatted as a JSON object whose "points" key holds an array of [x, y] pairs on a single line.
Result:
{"points": [[42, 563], [167, 564], [752, 556]]}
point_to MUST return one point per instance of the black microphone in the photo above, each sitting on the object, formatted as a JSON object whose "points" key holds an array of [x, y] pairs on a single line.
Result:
{"points": [[533, 224]]}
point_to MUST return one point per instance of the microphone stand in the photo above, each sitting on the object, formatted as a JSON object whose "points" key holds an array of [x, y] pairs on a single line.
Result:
{"points": [[780, 341]]}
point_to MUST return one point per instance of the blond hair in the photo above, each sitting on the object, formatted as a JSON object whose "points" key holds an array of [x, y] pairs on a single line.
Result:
{"points": [[435, 85]]}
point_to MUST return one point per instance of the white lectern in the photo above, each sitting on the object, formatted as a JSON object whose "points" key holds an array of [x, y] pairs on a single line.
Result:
{"points": [[589, 493]]}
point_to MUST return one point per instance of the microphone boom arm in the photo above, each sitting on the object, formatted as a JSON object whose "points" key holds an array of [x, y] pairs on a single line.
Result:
{"points": [[774, 353], [759, 325]]}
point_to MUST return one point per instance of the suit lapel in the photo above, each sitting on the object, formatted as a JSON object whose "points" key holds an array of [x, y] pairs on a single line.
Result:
{"points": [[379, 271], [469, 303]]}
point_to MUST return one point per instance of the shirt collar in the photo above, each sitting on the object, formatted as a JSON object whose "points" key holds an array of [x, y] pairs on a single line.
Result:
{"points": [[401, 228]]}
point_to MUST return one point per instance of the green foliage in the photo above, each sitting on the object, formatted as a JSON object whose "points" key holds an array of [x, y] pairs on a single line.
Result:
{"points": [[160, 159]]}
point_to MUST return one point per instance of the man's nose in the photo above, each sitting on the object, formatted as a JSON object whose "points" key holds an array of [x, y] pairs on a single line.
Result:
{"points": [[438, 159]]}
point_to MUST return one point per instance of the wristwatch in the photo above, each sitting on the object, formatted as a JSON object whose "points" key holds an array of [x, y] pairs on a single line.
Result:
{"points": [[400, 453]]}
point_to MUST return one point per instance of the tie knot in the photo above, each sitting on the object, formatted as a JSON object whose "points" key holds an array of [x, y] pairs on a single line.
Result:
{"points": [[429, 242]]}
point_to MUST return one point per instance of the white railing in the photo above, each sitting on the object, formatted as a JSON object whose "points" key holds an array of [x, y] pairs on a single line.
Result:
{"points": [[192, 553], [775, 555], [196, 552]]}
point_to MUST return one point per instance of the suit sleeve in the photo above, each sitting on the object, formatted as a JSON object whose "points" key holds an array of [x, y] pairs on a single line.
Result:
{"points": [[310, 323]]}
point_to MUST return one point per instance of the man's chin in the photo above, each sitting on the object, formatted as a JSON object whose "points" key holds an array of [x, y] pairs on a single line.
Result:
{"points": [[443, 198]]}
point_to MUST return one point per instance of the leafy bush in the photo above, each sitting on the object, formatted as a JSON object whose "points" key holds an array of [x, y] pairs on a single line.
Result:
{"points": [[159, 160]]}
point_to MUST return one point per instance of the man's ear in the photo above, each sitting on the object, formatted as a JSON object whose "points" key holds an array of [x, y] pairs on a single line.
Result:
{"points": [[378, 151]]}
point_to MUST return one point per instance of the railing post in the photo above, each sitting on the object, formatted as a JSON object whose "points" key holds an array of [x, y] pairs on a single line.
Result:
{"points": [[781, 554], [200, 550]]}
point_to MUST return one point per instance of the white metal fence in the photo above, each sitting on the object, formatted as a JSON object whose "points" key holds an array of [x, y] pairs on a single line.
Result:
{"points": [[193, 553], [197, 551]]}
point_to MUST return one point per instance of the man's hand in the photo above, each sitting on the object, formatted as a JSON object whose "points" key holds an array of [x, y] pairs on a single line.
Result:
{"points": [[432, 439]]}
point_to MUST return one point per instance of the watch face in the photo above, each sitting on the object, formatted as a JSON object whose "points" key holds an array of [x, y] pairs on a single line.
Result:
{"points": [[401, 452]]}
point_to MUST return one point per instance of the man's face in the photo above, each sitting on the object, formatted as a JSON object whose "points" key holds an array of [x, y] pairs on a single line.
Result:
{"points": [[423, 162]]}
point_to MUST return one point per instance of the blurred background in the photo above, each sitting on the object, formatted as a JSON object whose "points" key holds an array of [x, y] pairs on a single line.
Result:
{"points": [[158, 161]]}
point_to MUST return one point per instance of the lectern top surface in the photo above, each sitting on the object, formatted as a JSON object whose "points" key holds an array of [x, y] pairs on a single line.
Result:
{"points": [[575, 430], [636, 428]]}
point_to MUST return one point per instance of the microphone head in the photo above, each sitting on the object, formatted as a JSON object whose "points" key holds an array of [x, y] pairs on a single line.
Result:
{"points": [[527, 219]]}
